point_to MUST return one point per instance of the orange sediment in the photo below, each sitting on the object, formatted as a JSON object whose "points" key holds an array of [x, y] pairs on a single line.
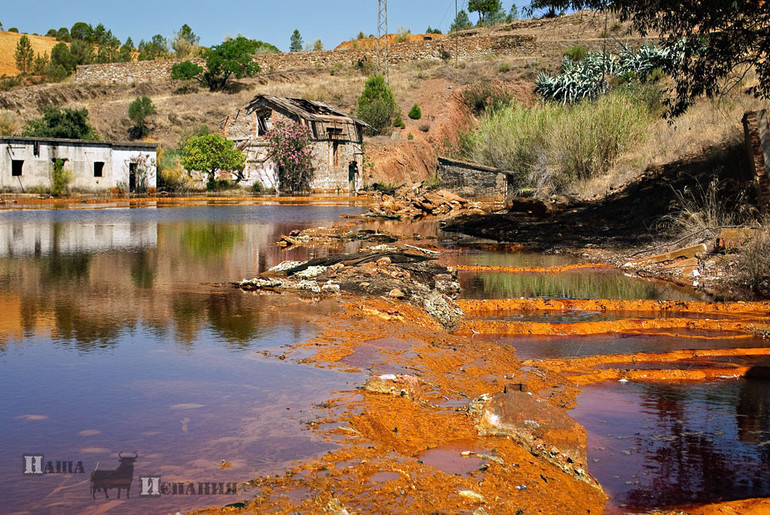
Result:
{"points": [[531, 269], [503, 328], [482, 307]]}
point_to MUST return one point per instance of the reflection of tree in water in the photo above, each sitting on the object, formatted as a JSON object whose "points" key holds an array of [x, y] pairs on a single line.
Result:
{"points": [[210, 240], [64, 267], [753, 415], [229, 317], [88, 332], [688, 463], [188, 315], [142, 273]]}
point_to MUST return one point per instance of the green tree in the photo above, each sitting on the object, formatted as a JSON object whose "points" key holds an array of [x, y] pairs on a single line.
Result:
{"points": [[81, 31], [61, 123], [295, 44], [376, 105], [24, 55], [415, 113], [138, 111], [82, 52], [63, 34], [126, 52], [513, 14], [157, 48], [318, 45], [62, 62], [41, 63], [210, 153], [231, 58], [719, 42], [490, 11], [462, 22], [51, 33], [186, 42]]}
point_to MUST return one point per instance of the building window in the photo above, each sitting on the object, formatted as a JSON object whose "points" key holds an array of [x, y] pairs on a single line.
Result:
{"points": [[16, 166], [98, 169]]}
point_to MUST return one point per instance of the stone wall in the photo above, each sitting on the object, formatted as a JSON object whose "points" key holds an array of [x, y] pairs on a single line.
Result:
{"points": [[127, 73], [474, 181], [468, 46], [757, 134]]}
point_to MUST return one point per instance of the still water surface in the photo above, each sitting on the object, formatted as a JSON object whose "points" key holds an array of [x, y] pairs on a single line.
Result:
{"points": [[110, 341]]}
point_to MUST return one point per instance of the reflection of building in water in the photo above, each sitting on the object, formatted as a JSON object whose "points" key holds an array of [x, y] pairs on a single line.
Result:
{"points": [[21, 239], [753, 411], [87, 282]]}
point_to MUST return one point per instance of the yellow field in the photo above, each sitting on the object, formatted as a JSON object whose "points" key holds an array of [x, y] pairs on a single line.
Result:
{"points": [[8, 42]]}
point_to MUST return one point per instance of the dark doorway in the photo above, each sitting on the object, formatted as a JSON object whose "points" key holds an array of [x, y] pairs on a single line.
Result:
{"points": [[131, 176]]}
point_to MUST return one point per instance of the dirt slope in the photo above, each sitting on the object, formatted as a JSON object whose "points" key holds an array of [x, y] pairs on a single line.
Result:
{"points": [[8, 42]]}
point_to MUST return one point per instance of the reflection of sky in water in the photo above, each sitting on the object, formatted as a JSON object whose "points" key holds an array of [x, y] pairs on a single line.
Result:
{"points": [[116, 344], [655, 446]]}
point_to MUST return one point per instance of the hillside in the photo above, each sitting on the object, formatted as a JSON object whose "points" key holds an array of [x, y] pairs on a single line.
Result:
{"points": [[8, 42]]}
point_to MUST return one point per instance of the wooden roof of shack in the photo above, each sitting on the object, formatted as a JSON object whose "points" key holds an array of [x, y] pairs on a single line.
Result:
{"points": [[309, 110]]}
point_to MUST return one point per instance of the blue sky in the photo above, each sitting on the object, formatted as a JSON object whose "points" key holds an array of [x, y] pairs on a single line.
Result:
{"points": [[331, 21]]}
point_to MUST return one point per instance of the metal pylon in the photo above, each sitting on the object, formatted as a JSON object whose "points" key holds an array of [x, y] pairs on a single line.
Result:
{"points": [[382, 30]]}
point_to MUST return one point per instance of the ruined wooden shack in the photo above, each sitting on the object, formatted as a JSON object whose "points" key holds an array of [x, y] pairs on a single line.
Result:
{"points": [[336, 140]]}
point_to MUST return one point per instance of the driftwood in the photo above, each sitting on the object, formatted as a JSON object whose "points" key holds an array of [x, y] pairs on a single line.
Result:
{"points": [[358, 259]]}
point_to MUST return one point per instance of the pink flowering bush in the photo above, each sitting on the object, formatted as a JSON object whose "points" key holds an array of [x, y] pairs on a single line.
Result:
{"points": [[289, 145]]}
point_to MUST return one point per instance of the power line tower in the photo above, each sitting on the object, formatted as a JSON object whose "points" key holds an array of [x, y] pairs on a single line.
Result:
{"points": [[382, 30]]}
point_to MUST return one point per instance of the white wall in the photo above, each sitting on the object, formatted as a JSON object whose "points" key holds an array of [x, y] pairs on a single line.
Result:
{"points": [[80, 158]]}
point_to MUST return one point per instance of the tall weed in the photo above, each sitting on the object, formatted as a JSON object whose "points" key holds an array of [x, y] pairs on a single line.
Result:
{"points": [[549, 146]]}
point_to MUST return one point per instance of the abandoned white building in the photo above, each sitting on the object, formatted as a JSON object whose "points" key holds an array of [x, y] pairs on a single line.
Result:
{"points": [[336, 140], [28, 163]]}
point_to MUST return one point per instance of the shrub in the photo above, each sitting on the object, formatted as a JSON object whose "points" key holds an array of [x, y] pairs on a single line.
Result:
{"points": [[60, 179], [9, 123], [398, 122], [138, 111], [487, 96], [289, 145], [211, 152], [755, 262], [576, 53], [548, 146], [185, 70], [504, 68], [376, 105], [171, 174], [415, 113]]}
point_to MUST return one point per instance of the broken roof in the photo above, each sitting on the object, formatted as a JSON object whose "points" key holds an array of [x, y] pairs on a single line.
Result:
{"points": [[302, 108]]}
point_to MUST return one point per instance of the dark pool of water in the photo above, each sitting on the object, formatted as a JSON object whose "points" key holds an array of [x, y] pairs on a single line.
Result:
{"points": [[110, 341], [578, 284], [545, 347], [659, 446]]}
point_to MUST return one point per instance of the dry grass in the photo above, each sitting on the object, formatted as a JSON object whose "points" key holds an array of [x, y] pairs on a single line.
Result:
{"points": [[707, 124], [8, 42]]}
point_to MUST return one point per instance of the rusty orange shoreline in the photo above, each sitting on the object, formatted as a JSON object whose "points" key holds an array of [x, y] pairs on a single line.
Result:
{"points": [[485, 307], [531, 269]]}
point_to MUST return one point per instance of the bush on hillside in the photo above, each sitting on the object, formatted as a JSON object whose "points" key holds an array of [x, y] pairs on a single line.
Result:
{"points": [[548, 146], [415, 113], [376, 105]]}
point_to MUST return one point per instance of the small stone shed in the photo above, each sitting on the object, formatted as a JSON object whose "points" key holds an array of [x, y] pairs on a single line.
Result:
{"points": [[475, 181], [336, 139], [28, 163]]}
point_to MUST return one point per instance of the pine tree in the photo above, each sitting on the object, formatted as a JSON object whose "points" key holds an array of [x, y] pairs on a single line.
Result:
{"points": [[24, 55], [296, 42]]}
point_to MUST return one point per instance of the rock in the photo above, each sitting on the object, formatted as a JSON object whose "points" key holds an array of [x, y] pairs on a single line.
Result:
{"points": [[398, 385], [383, 262], [310, 272], [472, 496], [286, 265], [543, 429], [330, 288], [396, 294], [311, 286]]}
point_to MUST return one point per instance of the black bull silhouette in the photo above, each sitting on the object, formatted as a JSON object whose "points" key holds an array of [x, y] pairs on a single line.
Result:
{"points": [[119, 478]]}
